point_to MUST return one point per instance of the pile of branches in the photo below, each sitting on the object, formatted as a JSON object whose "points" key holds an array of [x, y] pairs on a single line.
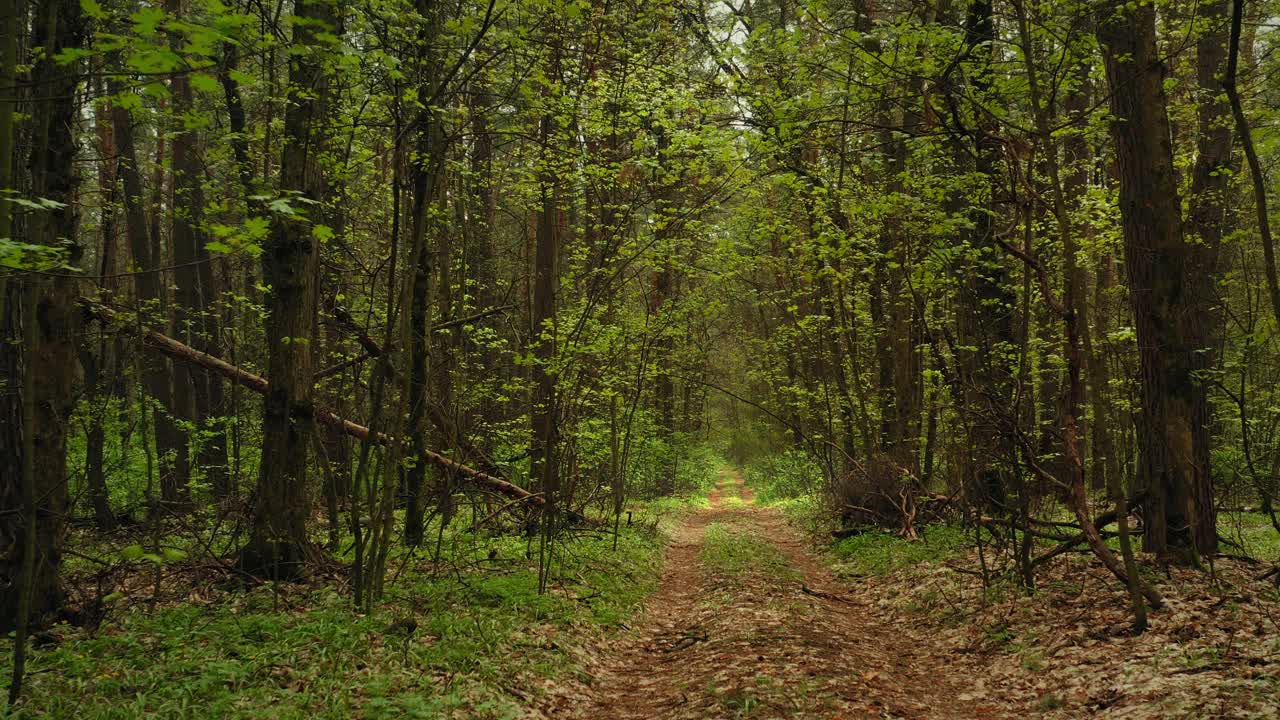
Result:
{"points": [[881, 494]]}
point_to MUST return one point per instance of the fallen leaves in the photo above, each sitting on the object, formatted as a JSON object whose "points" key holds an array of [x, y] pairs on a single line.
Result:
{"points": [[1069, 650], [733, 639]]}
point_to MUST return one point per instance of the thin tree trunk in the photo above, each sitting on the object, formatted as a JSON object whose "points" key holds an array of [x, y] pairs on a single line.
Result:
{"points": [[1259, 181], [428, 185], [986, 320], [170, 441], [543, 458], [102, 381]]}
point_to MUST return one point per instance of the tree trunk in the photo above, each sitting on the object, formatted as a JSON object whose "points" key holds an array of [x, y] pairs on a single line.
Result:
{"points": [[33, 537], [173, 450], [190, 387], [278, 542], [483, 262], [986, 320], [1256, 176], [428, 170], [543, 457], [1180, 519], [664, 388], [170, 441], [101, 377]]}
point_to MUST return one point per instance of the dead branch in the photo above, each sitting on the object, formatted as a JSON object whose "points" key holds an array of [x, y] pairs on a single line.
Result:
{"points": [[185, 353]]}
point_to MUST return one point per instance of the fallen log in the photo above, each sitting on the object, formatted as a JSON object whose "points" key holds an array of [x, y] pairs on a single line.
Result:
{"points": [[185, 353]]}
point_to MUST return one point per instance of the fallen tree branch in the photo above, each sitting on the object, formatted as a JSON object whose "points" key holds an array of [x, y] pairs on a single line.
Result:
{"points": [[1067, 544], [435, 413], [185, 353]]}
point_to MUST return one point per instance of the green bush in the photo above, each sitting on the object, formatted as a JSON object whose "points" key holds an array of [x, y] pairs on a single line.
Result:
{"points": [[784, 476]]}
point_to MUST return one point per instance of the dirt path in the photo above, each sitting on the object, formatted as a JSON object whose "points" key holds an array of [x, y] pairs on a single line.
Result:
{"points": [[783, 642]]}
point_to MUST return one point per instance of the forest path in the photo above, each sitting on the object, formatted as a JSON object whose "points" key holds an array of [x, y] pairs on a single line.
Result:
{"points": [[746, 623]]}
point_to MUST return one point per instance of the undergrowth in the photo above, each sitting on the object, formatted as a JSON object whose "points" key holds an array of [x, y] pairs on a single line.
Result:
{"points": [[877, 552], [480, 643], [783, 476]]}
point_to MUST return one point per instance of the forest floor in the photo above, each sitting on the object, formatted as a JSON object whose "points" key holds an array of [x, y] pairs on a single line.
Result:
{"points": [[752, 620], [746, 622]]}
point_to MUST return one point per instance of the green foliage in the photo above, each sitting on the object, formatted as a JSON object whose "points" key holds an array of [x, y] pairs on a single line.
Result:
{"points": [[1253, 531], [784, 476], [877, 553], [306, 654]]}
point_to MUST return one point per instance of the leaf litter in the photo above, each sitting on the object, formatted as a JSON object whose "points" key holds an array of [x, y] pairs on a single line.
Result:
{"points": [[773, 639]]}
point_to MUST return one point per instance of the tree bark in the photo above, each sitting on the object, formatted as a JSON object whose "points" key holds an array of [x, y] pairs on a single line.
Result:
{"points": [[1180, 519], [102, 379], [986, 319], [545, 278], [46, 332], [170, 441], [428, 170], [278, 540]]}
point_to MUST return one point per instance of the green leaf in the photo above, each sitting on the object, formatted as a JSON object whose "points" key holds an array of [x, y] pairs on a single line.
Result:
{"points": [[70, 55], [280, 205], [147, 20], [37, 204], [205, 83]]}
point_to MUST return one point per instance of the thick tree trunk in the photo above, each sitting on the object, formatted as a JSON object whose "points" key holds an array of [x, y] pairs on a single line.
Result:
{"points": [[1208, 222], [278, 540], [44, 325], [1180, 519], [1073, 350]]}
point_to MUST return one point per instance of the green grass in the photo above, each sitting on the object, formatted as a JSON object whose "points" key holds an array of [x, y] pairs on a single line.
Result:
{"points": [[877, 552], [1252, 530], [733, 552], [485, 639]]}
